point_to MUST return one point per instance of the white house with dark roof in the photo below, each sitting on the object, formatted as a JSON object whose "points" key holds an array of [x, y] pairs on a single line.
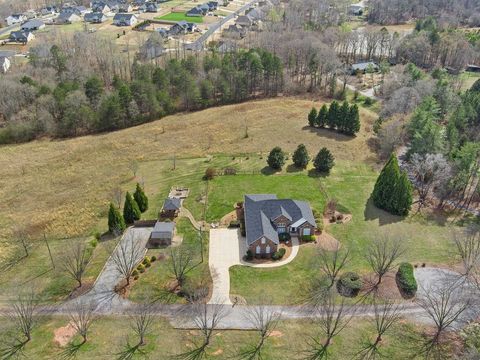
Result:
{"points": [[33, 25], [15, 19], [266, 217], [123, 19], [95, 17], [21, 36]]}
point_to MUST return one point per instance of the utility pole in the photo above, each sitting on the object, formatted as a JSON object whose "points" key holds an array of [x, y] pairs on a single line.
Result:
{"points": [[49, 251]]}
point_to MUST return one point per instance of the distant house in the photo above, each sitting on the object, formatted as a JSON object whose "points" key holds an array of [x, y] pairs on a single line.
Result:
{"points": [[152, 7], [15, 19], [196, 11], [244, 20], [100, 7], [171, 207], [182, 27], [363, 66], [67, 18], [95, 17], [472, 68], [124, 7], [21, 36], [48, 10], [266, 217], [213, 5], [356, 9], [163, 32], [235, 32], [162, 234], [33, 25], [122, 19], [4, 64]]}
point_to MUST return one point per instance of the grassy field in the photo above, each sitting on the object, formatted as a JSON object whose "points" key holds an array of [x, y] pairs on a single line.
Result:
{"points": [[153, 282], [426, 240], [180, 16], [108, 337]]}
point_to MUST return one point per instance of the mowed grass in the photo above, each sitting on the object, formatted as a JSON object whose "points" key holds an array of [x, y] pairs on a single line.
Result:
{"points": [[180, 16], [108, 337], [152, 284], [425, 240]]}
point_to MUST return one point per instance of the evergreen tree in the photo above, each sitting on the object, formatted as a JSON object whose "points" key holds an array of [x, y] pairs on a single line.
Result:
{"points": [[312, 117], [353, 126], [115, 220], [140, 198], [322, 116], [276, 158], [393, 191], [324, 161], [332, 117], [94, 90], [131, 212], [343, 121], [300, 157]]}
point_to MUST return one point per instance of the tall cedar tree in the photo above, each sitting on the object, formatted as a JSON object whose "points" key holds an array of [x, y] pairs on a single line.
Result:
{"points": [[131, 212], [324, 161], [115, 220], [343, 117], [322, 116], [393, 191], [300, 157], [312, 117], [354, 120], [141, 198], [333, 113], [276, 158]]}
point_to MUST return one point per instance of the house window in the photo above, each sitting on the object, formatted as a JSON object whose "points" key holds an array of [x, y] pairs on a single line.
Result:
{"points": [[268, 249], [257, 250], [306, 231], [293, 229], [263, 240]]}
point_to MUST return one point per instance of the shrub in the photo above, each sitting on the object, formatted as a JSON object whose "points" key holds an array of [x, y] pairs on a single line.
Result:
{"points": [[97, 236], [134, 273], [406, 279], [309, 238], [94, 243], [277, 255], [147, 265], [153, 258], [146, 261], [368, 101], [210, 173], [234, 224], [276, 158], [349, 284], [284, 237], [324, 161], [249, 255], [135, 277], [141, 268]]}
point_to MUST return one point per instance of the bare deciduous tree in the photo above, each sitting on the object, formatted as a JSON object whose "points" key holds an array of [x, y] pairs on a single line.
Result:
{"points": [[134, 166], [117, 195], [20, 235], [81, 316], [127, 255], [382, 254], [331, 321], [444, 305], [75, 260], [264, 320], [386, 315], [331, 263], [181, 263]]}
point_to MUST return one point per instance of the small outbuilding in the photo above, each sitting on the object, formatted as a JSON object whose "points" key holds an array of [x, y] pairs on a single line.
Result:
{"points": [[473, 68], [171, 207], [162, 234], [363, 67]]}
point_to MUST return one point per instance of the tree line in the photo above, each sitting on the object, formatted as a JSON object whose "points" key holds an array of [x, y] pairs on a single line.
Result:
{"points": [[343, 118]]}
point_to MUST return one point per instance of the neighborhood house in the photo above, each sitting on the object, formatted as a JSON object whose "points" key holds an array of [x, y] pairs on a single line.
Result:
{"points": [[266, 217], [122, 19], [162, 234]]}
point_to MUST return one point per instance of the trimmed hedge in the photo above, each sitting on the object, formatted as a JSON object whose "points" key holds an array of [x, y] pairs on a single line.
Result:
{"points": [[234, 224], [406, 279], [309, 238], [249, 255], [279, 254], [284, 237], [349, 284]]}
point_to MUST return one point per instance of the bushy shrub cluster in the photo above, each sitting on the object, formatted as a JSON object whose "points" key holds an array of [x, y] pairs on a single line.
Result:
{"points": [[284, 237], [406, 279], [349, 284], [309, 238], [277, 255]]}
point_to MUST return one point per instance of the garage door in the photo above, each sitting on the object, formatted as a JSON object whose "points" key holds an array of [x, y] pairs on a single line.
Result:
{"points": [[306, 231]]}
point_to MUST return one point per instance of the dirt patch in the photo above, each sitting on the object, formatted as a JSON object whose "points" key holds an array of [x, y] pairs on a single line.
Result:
{"points": [[63, 335], [231, 216], [328, 242], [218, 352], [86, 287], [338, 218], [387, 289], [276, 333]]}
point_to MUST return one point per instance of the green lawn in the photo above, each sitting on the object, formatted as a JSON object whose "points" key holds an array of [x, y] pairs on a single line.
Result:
{"points": [[426, 240], [151, 284], [108, 336], [180, 16]]}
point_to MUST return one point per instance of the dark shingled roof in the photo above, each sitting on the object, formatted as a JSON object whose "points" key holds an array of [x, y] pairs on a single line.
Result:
{"points": [[262, 209], [172, 204], [163, 230]]}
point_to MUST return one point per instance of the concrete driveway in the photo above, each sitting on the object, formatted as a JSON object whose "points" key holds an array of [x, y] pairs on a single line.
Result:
{"points": [[226, 249]]}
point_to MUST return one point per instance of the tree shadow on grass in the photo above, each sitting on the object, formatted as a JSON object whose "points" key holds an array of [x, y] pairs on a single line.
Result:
{"points": [[313, 173], [329, 134], [371, 212], [13, 349], [70, 352], [293, 169], [267, 170], [130, 351]]}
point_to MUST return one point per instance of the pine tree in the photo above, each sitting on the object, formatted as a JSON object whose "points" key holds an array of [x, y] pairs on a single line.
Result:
{"points": [[141, 198], [300, 157], [343, 117], [276, 158], [131, 212], [324, 161], [115, 220], [393, 191], [332, 117], [312, 117], [354, 120], [322, 116]]}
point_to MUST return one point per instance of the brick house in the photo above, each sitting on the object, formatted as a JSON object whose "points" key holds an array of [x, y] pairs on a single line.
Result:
{"points": [[266, 217]]}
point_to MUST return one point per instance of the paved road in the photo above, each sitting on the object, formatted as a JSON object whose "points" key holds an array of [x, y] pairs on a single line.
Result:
{"points": [[226, 249], [132, 244]]}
